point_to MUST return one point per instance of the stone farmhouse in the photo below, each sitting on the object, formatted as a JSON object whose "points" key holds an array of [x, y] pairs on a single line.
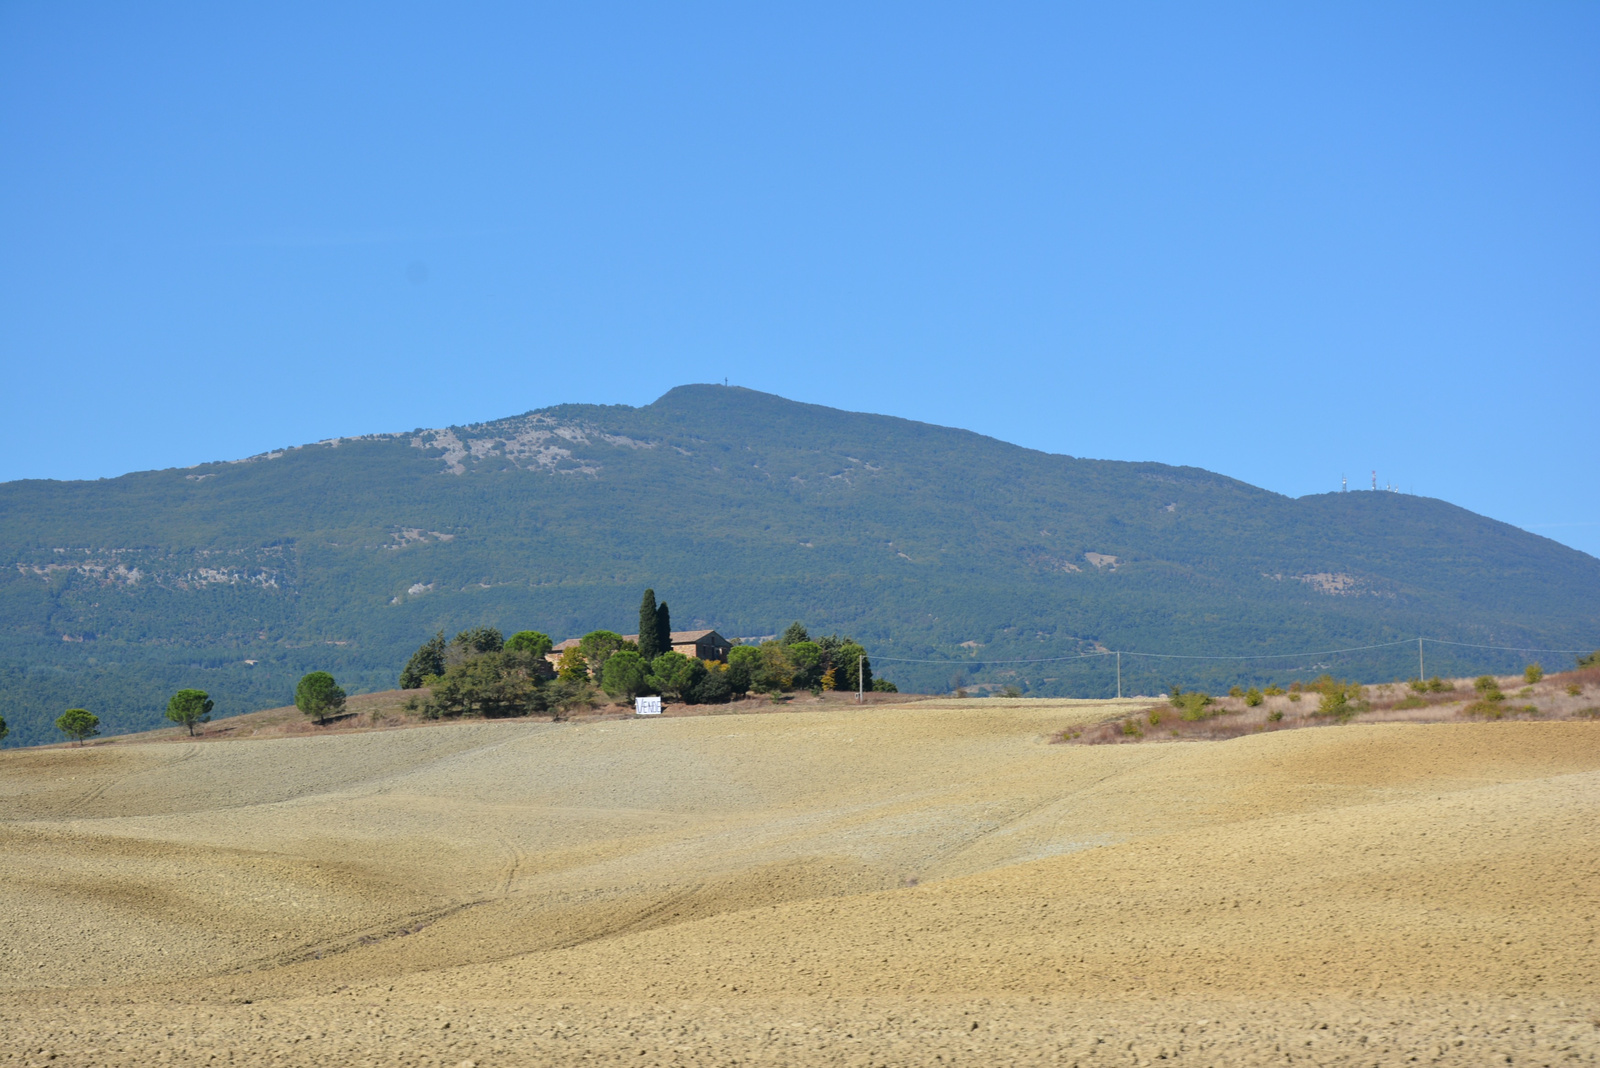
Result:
{"points": [[700, 644]]}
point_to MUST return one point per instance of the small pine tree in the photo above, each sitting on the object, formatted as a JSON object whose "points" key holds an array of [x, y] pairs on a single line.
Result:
{"points": [[530, 641], [317, 695], [626, 675], [649, 628], [78, 724], [794, 634], [189, 707], [1533, 672]]}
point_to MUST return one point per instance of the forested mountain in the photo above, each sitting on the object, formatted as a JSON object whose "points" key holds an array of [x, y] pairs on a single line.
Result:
{"points": [[744, 511]]}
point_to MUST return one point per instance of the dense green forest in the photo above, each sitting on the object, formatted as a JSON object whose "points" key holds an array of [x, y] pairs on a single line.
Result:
{"points": [[746, 511]]}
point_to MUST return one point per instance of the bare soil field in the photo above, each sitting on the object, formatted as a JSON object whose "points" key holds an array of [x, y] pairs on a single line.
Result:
{"points": [[933, 882]]}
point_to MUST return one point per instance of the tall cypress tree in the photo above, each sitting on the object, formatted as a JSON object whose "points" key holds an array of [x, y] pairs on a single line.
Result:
{"points": [[664, 628], [649, 628]]}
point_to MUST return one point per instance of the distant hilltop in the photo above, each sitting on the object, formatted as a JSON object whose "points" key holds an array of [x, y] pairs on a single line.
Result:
{"points": [[924, 542]]}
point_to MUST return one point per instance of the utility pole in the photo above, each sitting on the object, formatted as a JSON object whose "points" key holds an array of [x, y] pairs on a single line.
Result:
{"points": [[860, 686], [1421, 674], [1119, 674]]}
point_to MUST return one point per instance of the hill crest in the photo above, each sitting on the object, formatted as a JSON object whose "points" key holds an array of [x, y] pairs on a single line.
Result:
{"points": [[745, 511]]}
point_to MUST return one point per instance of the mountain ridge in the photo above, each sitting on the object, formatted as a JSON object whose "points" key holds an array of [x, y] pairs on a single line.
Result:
{"points": [[745, 511]]}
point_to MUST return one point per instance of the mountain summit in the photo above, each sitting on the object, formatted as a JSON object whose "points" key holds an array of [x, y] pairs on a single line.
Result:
{"points": [[746, 511]]}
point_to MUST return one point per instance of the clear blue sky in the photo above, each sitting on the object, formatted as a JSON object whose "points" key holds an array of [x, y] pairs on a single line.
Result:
{"points": [[1280, 241]]}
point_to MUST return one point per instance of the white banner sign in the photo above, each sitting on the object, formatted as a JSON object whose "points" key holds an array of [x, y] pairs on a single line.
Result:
{"points": [[647, 706]]}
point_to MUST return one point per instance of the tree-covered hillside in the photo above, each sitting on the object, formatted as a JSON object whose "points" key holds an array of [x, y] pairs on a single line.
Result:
{"points": [[745, 511]]}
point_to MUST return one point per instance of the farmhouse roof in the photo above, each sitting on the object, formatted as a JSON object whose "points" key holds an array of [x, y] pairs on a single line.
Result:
{"points": [[679, 637]]}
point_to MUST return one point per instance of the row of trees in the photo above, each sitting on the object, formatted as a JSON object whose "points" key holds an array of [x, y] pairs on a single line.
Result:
{"points": [[316, 695]]}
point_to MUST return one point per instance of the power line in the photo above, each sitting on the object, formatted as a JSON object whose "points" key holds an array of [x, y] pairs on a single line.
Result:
{"points": [[1040, 660], [1236, 656], [1506, 648], [1274, 656]]}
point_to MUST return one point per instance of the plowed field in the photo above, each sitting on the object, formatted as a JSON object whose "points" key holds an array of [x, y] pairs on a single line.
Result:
{"points": [[917, 884]]}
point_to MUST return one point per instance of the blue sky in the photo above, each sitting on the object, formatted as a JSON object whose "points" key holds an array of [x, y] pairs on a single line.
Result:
{"points": [[1284, 242]]}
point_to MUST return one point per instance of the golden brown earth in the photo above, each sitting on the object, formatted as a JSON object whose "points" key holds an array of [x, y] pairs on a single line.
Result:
{"points": [[915, 884]]}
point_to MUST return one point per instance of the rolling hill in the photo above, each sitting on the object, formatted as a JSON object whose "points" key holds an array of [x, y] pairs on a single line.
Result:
{"points": [[744, 511]]}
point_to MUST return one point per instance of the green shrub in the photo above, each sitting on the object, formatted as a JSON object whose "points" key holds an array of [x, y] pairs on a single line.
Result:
{"points": [[1155, 717], [714, 689], [1273, 691], [1533, 672], [1253, 697], [1294, 697], [774, 670], [675, 674], [1336, 705], [1419, 685], [1573, 689], [809, 664], [1275, 715], [1131, 729], [743, 661], [1485, 708], [1235, 691], [880, 685], [1592, 660], [1488, 689], [1438, 685], [626, 675], [1193, 706], [1411, 701], [501, 684], [562, 697], [573, 666]]}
